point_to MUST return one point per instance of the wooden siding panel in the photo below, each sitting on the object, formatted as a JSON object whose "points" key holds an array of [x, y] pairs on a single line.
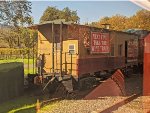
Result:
{"points": [[91, 65]]}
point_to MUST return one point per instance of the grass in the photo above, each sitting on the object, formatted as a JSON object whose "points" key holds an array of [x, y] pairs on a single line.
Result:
{"points": [[24, 104], [25, 61], [30, 71]]}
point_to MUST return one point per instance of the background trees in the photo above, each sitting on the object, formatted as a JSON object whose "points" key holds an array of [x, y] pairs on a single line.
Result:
{"points": [[14, 16], [15, 13], [141, 20], [21, 37], [52, 13]]}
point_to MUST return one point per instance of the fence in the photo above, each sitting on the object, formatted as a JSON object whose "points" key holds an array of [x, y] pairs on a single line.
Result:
{"points": [[27, 56]]}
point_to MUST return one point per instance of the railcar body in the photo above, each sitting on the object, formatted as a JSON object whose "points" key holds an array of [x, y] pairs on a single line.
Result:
{"points": [[146, 77], [79, 50]]}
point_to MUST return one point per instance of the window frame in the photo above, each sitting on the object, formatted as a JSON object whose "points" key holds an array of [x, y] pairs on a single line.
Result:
{"points": [[71, 49]]}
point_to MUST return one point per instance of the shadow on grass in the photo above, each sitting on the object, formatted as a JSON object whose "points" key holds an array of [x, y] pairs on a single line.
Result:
{"points": [[26, 110], [24, 104]]}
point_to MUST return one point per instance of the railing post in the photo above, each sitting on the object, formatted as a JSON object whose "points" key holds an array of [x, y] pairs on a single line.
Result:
{"points": [[65, 63], [53, 48], [71, 64], [61, 45]]}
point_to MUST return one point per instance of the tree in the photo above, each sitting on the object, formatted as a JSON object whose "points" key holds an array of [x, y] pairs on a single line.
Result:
{"points": [[52, 13], [104, 20], [117, 22], [18, 37], [140, 20], [69, 15], [9, 36], [15, 13], [13, 16]]}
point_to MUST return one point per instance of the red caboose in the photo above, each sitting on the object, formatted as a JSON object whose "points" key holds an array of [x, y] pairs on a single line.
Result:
{"points": [[146, 79], [83, 51]]}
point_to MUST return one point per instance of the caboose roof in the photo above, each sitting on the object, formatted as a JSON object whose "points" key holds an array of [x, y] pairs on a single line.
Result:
{"points": [[59, 21]]}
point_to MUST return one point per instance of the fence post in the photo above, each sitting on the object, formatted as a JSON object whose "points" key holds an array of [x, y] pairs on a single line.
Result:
{"points": [[28, 59]]}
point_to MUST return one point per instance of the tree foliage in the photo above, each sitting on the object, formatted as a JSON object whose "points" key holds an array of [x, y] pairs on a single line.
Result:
{"points": [[9, 36], [141, 20], [15, 13], [18, 37], [52, 13]]}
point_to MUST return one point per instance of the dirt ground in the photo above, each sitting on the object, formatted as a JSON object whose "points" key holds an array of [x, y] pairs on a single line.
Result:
{"points": [[133, 102]]}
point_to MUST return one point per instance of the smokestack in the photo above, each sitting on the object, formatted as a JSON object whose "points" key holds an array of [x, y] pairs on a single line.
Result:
{"points": [[106, 26]]}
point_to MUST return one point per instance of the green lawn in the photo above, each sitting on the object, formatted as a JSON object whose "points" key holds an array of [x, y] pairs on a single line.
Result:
{"points": [[24, 104], [25, 61], [30, 71]]}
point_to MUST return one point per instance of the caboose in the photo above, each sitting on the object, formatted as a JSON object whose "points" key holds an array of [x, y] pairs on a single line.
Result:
{"points": [[83, 51]]}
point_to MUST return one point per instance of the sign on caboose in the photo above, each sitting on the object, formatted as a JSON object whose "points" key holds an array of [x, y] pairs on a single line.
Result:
{"points": [[132, 50], [100, 42]]}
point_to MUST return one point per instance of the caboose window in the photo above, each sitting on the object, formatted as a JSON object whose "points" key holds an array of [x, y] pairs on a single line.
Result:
{"points": [[58, 46], [71, 48]]}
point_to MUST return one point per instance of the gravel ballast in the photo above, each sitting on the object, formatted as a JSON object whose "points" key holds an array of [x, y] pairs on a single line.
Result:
{"points": [[116, 104]]}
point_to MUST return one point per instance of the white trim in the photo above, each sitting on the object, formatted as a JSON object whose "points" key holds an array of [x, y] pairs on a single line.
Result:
{"points": [[72, 49]]}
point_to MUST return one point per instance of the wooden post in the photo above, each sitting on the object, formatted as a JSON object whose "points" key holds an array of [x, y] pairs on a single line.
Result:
{"points": [[61, 46], [65, 62], [33, 50], [37, 106], [71, 63], [36, 55], [53, 48], [28, 58]]}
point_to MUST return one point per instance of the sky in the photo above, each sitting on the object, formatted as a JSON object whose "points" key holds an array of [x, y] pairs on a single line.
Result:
{"points": [[88, 11]]}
